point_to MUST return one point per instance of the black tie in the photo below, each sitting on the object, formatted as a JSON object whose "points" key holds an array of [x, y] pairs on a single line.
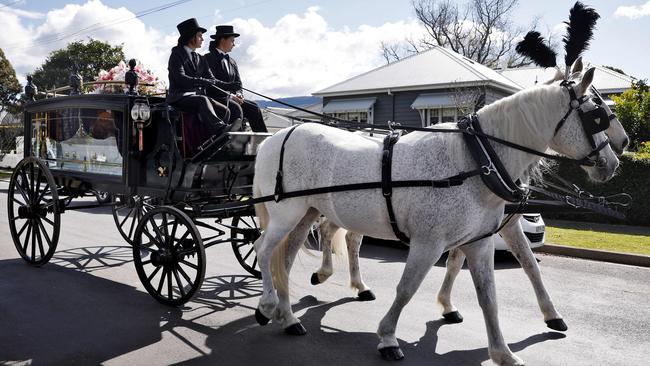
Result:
{"points": [[195, 59], [226, 60]]}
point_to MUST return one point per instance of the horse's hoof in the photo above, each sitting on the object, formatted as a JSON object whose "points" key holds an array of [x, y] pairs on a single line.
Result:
{"points": [[314, 279], [453, 317], [557, 324], [366, 296], [261, 319], [391, 353], [295, 330]]}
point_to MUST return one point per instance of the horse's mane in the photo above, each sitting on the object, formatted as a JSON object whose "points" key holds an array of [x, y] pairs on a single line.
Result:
{"points": [[513, 119], [517, 113]]}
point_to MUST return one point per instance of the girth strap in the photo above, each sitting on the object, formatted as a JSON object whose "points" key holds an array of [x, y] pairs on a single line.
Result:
{"points": [[386, 182], [279, 191]]}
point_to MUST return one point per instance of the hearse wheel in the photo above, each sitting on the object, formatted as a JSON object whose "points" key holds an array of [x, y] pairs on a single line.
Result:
{"points": [[33, 211], [128, 212], [169, 255], [245, 230]]}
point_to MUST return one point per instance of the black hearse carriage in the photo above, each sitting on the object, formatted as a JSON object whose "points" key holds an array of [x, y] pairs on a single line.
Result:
{"points": [[170, 203]]}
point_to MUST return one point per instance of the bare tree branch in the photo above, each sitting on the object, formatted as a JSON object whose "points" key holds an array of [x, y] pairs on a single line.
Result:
{"points": [[480, 30]]}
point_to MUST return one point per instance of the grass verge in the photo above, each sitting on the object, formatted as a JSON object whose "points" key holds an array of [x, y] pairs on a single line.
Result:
{"points": [[613, 242]]}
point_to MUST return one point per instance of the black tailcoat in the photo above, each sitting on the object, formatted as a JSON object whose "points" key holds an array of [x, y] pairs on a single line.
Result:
{"points": [[184, 76]]}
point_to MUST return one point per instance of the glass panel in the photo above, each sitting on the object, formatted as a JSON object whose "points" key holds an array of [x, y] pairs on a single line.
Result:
{"points": [[353, 116], [363, 117], [433, 116], [448, 115], [79, 139]]}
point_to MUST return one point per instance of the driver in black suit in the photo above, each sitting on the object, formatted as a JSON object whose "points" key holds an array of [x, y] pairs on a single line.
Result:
{"points": [[190, 77], [225, 69]]}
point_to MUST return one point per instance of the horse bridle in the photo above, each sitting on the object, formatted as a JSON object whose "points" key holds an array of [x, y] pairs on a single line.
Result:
{"points": [[593, 121]]}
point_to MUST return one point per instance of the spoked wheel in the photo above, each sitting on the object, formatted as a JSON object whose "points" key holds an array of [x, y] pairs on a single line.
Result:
{"points": [[245, 230], [33, 211], [169, 256], [128, 212]]}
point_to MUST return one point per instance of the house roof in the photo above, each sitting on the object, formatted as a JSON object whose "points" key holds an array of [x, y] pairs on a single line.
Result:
{"points": [[605, 80], [435, 68]]}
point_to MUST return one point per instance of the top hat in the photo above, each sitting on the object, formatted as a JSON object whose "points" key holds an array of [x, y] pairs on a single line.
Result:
{"points": [[189, 27], [224, 31]]}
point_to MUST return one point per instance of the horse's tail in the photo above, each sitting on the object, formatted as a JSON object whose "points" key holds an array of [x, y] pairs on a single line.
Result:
{"points": [[278, 269], [260, 208], [339, 244]]}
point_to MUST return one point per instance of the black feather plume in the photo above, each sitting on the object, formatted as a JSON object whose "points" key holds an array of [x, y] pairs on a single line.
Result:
{"points": [[580, 30], [535, 48]]}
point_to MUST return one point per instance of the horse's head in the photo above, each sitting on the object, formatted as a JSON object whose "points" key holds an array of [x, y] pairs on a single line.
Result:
{"points": [[618, 138], [580, 134]]}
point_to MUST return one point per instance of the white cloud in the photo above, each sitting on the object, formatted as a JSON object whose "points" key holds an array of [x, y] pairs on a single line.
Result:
{"points": [[297, 55], [300, 54], [28, 46], [633, 11], [22, 13]]}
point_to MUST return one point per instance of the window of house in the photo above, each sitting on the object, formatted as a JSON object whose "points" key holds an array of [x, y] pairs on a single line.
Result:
{"points": [[432, 116], [448, 115], [362, 117]]}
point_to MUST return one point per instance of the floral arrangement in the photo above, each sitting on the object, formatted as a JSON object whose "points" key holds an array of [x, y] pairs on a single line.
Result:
{"points": [[118, 72]]}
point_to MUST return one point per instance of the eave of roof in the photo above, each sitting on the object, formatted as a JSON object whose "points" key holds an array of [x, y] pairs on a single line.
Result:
{"points": [[480, 74]]}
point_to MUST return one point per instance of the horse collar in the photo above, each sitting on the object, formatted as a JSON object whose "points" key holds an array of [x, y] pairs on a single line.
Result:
{"points": [[495, 176]]}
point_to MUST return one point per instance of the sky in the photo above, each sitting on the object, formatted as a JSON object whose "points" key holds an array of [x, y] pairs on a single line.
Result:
{"points": [[289, 48]]}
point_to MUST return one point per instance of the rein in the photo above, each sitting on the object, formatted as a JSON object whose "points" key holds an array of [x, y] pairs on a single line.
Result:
{"points": [[342, 123], [491, 170]]}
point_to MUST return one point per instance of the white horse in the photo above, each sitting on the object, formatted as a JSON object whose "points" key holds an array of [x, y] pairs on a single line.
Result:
{"points": [[430, 217], [512, 233]]}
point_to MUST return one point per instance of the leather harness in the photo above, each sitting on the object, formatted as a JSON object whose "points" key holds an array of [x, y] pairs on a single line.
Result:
{"points": [[492, 171]]}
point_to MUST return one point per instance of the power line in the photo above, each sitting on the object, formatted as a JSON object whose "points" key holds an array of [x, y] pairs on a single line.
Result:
{"points": [[96, 26], [9, 3]]}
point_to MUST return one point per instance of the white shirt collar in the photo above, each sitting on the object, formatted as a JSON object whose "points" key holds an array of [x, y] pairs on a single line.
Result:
{"points": [[189, 51], [221, 52]]}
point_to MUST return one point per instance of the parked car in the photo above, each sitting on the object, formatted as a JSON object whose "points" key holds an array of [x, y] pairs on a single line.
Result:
{"points": [[534, 229]]}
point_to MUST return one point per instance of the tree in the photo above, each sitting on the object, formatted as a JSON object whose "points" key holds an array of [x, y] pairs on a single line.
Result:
{"points": [[90, 57], [9, 86], [480, 30], [633, 110]]}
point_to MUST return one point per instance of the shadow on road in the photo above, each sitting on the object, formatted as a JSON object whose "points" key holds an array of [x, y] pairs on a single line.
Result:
{"points": [[244, 342], [90, 259], [62, 314], [55, 315]]}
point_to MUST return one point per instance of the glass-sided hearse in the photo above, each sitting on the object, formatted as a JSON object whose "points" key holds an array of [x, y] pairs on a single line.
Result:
{"points": [[173, 193]]}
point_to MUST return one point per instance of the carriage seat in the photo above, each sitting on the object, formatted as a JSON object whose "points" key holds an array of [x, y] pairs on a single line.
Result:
{"points": [[193, 137]]}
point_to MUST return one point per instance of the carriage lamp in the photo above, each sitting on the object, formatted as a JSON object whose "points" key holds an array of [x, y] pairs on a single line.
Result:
{"points": [[140, 111], [140, 114]]}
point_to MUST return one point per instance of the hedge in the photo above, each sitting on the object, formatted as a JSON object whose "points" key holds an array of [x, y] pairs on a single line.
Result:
{"points": [[633, 178]]}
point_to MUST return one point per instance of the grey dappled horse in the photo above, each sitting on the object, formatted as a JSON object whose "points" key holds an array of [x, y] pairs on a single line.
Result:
{"points": [[436, 220], [512, 234]]}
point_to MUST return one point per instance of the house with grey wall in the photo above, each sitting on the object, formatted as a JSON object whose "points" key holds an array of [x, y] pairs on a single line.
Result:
{"points": [[436, 86]]}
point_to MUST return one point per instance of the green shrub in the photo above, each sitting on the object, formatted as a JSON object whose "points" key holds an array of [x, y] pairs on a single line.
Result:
{"points": [[633, 178]]}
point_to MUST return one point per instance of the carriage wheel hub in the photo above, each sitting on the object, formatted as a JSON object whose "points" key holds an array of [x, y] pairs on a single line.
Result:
{"points": [[31, 211], [161, 257]]}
